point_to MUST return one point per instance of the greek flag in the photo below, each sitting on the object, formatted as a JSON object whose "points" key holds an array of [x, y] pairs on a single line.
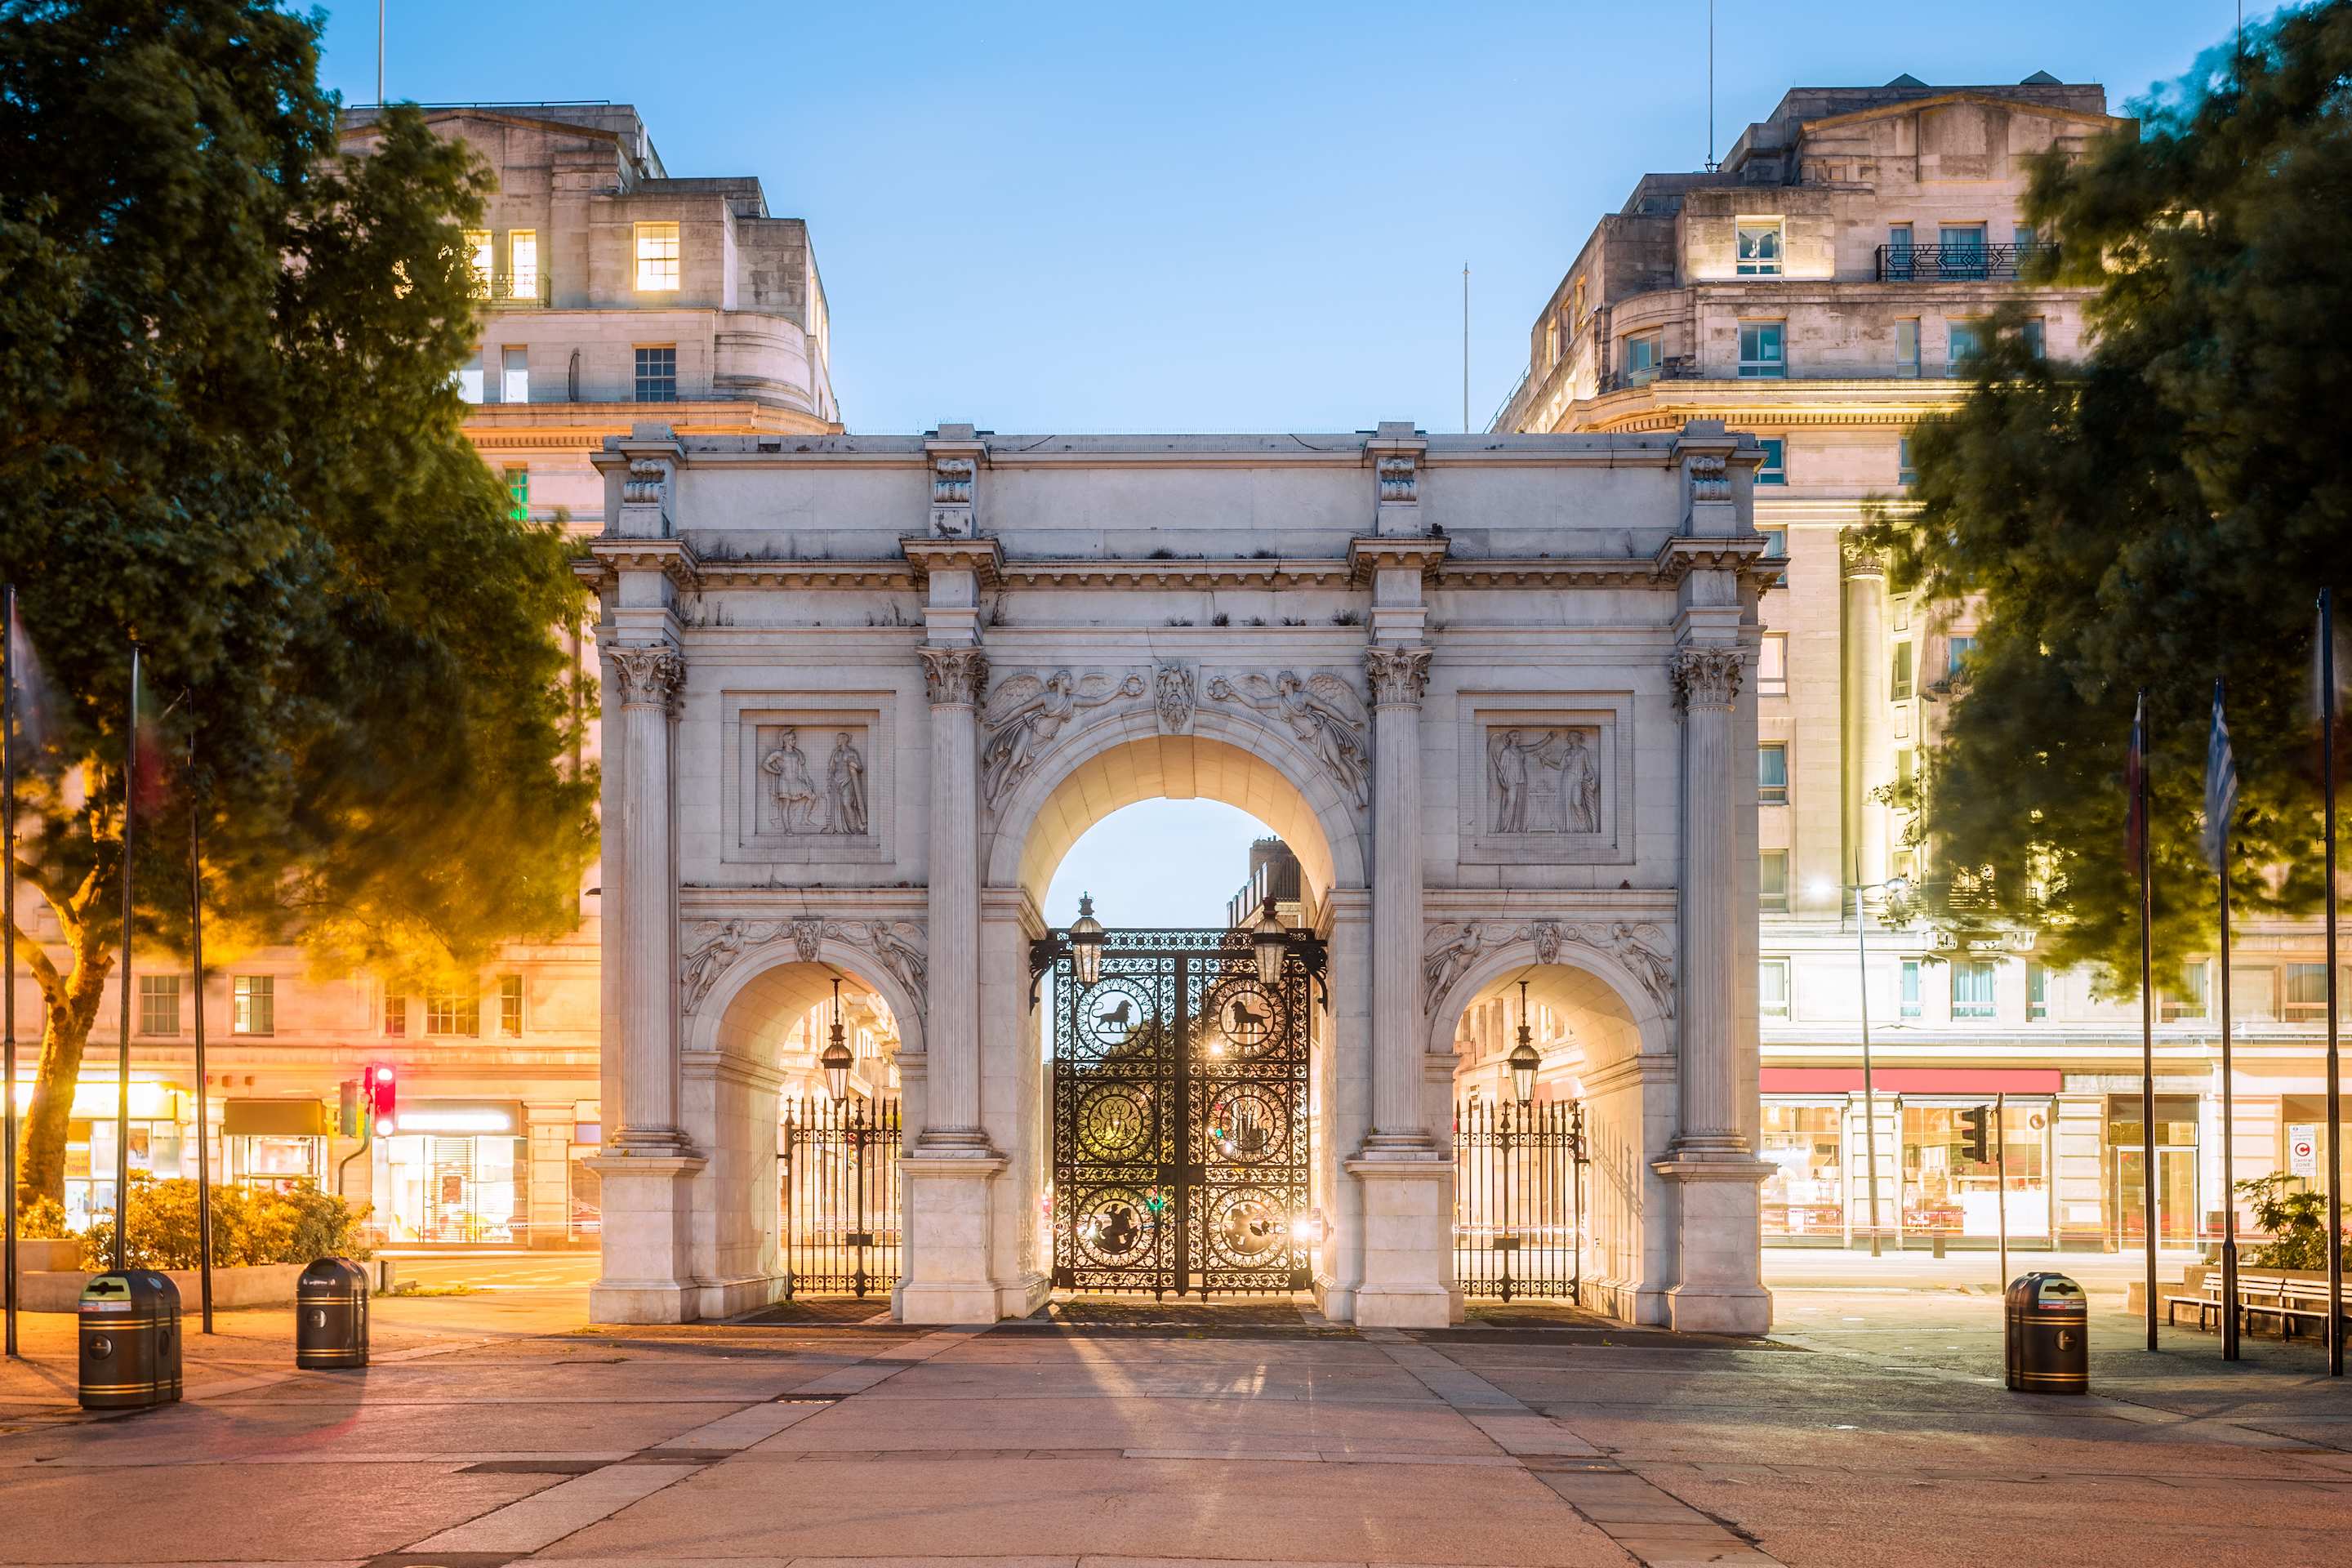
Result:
{"points": [[2220, 787]]}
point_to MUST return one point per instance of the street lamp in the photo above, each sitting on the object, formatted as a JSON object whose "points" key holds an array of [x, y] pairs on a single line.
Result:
{"points": [[1086, 942], [1270, 942], [1524, 1056], [1893, 888], [836, 1060]]}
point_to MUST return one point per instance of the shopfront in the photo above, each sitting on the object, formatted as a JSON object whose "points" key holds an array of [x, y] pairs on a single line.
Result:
{"points": [[160, 1145], [1804, 1198], [274, 1144], [2176, 1207], [453, 1173]]}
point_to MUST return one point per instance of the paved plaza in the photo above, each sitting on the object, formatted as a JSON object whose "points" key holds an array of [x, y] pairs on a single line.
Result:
{"points": [[1870, 1428]]}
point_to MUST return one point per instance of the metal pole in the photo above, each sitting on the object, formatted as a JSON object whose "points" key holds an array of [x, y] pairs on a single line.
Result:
{"points": [[2335, 1107], [1466, 348], [122, 1052], [1869, 1095], [1576, 1176], [196, 961], [379, 53], [2228, 1164], [2001, 1164], [8, 896], [2148, 1212]]}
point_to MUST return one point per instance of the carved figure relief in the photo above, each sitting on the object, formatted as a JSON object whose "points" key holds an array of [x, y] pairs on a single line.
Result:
{"points": [[1322, 710], [1543, 780], [1173, 694], [797, 802], [1641, 948], [1027, 713], [896, 945]]}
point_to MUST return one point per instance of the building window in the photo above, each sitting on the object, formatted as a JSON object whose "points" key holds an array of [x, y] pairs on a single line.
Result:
{"points": [[1551, 340], [1761, 346], [1772, 879], [1906, 472], [1906, 348], [1898, 686], [2187, 1002], [1972, 989], [1774, 468], [1960, 252], [2254, 994], [1898, 252], [1759, 247], [395, 1015], [518, 494], [510, 1006], [2036, 342], [1958, 651], [1776, 543], [1907, 997], [522, 264], [253, 1005], [657, 256], [514, 375], [478, 256], [657, 375], [456, 1012], [1965, 340], [2037, 989], [1773, 773], [469, 378], [159, 1003], [1772, 665], [1772, 988], [1643, 354], [1575, 312], [2307, 993]]}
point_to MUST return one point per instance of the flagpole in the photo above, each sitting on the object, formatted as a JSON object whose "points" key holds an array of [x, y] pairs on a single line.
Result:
{"points": [[8, 897], [2146, 1012], [196, 961], [2229, 1115], [2335, 1108], [122, 1053]]}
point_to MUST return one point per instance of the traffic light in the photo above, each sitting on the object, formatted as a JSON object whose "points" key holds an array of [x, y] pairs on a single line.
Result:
{"points": [[1974, 1143], [347, 1109], [381, 1088]]}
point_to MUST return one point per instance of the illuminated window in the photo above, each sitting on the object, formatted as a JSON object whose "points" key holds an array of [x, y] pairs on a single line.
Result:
{"points": [[1772, 665], [478, 255], [1759, 247], [159, 1003], [657, 256], [253, 1005], [518, 494], [455, 1012], [395, 1015], [510, 1006], [522, 264]]}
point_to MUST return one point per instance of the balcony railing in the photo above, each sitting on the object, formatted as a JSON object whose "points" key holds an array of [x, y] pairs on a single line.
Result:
{"points": [[512, 291], [1956, 263], [1674, 367]]}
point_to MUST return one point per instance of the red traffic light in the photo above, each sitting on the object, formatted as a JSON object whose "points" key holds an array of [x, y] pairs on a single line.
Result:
{"points": [[382, 1089]]}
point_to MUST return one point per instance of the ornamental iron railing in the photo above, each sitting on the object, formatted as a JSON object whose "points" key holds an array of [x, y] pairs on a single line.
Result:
{"points": [[1956, 263], [840, 1198], [1518, 1200]]}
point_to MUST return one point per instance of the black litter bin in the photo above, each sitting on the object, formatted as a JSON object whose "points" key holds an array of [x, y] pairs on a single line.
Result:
{"points": [[331, 1314], [130, 1327], [2049, 1335]]}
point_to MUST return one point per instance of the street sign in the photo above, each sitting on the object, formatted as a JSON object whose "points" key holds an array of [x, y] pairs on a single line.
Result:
{"points": [[2303, 1150]]}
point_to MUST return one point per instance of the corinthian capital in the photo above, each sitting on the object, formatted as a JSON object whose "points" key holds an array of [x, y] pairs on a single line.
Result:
{"points": [[954, 676], [1857, 559], [1398, 675], [1706, 676], [649, 676]]}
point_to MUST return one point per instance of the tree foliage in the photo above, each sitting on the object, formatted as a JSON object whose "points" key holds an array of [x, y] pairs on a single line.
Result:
{"points": [[2158, 516], [229, 361]]}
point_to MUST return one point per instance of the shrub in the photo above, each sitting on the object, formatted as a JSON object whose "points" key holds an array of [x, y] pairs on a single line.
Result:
{"points": [[41, 1218], [2297, 1216], [291, 1226]]}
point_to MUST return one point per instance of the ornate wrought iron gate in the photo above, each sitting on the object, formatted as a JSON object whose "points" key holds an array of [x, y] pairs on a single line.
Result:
{"points": [[1518, 1199], [1181, 1153], [840, 1198]]}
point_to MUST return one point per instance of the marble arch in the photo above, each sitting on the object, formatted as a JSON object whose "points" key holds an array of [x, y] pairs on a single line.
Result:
{"points": [[861, 691]]}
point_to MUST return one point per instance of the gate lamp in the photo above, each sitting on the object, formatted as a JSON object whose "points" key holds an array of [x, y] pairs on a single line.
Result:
{"points": [[1524, 1056], [836, 1060], [1270, 940], [1086, 942]]}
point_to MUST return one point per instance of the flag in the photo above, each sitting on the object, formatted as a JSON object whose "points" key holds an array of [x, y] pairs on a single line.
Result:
{"points": [[2135, 784], [29, 687], [2220, 787]]}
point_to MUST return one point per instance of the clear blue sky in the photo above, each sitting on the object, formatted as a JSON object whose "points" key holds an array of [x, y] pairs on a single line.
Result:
{"points": [[1212, 217]]}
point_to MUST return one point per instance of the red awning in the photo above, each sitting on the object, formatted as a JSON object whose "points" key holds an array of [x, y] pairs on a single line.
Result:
{"points": [[1913, 1080]]}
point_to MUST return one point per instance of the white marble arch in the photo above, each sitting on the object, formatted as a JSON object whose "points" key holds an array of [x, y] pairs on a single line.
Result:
{"points": [[1115, 761], [729, 1080], [1627, 1079]]}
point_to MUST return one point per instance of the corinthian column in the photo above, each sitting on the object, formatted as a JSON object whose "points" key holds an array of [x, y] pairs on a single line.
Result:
{"points": [[956, 678], [1706, 684], [650, 681], [1398, 678]]}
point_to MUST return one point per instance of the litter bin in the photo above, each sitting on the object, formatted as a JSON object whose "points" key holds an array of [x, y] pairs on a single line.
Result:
{"points": [[2049, 1335], [130, 1329], [331, 1314]]}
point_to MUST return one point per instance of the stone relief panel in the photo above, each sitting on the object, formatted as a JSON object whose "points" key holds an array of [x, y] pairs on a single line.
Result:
{"points": [[1643, 948], [806, 779], [1027, 713], [1321, 711], [1545, 779], [712, 947]]}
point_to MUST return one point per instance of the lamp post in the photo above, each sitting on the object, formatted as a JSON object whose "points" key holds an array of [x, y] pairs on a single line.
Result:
{"points": [[837, 1059], [1525, 1059], [1086, 942], [1894, 886]]}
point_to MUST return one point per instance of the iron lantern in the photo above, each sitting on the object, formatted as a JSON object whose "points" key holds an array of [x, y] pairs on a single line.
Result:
{"points": [[837, 1059], [1086, 942], [1525, 1059], [1270, 939]]}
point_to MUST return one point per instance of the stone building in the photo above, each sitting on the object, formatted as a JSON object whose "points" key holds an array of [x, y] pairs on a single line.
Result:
{"points": [[863, 692], [1822, 288], [610, 290]]}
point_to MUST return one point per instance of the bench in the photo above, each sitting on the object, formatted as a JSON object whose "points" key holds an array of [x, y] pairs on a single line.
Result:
{"points": [[2291, 1301]]}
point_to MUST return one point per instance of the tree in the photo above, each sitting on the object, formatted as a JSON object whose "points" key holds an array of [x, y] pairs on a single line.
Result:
{"points": [[229, 359], [2157, 516]]}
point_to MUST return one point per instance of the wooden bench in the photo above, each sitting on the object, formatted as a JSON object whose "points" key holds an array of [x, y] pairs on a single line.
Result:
{"points": [[2259, 1295]]}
